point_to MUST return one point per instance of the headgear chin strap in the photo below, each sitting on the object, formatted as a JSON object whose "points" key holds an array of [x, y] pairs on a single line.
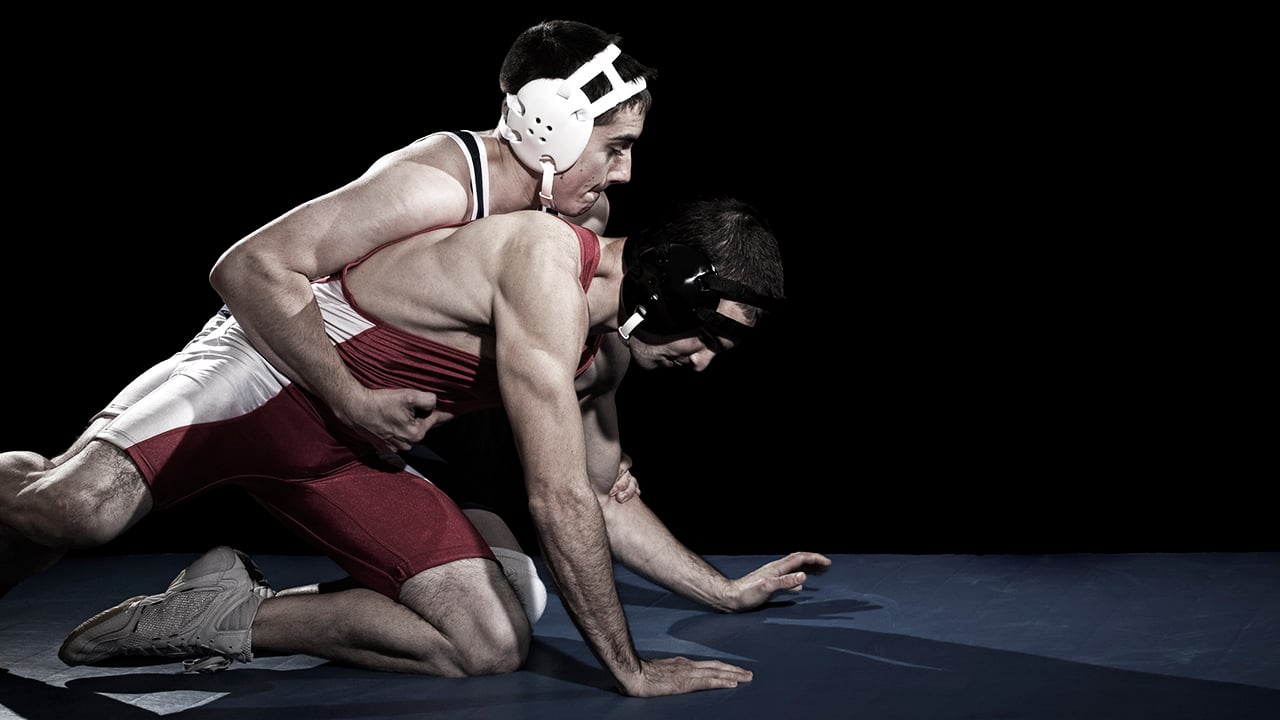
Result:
{"points": [[673, 289], [548, 121]]}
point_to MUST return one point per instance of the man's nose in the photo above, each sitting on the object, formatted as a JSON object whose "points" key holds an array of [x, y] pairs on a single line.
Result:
{"points": [[620, 171]]}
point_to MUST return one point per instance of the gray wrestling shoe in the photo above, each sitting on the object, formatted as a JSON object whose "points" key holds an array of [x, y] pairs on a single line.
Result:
{"points": [[206, 614]]}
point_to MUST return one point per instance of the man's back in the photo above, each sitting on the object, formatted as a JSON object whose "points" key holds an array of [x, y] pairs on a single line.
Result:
{"points": [[420, 312]]}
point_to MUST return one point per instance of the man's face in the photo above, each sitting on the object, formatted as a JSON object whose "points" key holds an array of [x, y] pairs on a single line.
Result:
{"points": [[605, 161], [695, 349]]}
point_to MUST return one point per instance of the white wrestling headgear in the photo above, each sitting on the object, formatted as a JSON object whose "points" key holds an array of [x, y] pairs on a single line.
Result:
{"points": [[548, 121]]}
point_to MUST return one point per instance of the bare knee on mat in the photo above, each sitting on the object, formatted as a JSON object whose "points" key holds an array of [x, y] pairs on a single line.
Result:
{"points": [[473, 606]]}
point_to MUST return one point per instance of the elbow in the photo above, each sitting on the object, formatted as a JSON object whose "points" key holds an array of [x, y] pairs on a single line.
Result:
{"points": [[549, 502], [543, 505], [240, 269], [222, 276]]}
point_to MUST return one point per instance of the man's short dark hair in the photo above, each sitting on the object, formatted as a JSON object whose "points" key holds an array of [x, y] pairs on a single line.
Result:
{"points": [[556, 48]]}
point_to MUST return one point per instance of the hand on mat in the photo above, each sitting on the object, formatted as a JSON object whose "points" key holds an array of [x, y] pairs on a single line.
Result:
{"points": [[789, 573], [393, 419], [678, 675]]}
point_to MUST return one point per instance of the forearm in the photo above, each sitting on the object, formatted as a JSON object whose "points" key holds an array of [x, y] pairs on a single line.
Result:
{"points": [[286, 326], [641, 542], [575, 549]]}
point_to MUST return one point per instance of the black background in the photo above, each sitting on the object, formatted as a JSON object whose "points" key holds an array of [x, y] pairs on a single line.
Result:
{"points": [[991, 346]]}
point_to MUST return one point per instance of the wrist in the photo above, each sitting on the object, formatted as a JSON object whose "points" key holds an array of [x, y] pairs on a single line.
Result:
{"points": [[725, 598], [341, 397]]}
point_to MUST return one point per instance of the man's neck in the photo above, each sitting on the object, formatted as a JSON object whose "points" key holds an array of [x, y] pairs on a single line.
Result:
{"points": [[604, 297], [512, 186]]}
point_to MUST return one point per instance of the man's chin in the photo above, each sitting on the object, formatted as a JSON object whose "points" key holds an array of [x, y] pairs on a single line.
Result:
{"points": [[576, 209], [581, 205]]}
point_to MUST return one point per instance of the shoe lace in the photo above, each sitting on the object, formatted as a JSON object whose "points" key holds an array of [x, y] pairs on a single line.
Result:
{"points": [[161, 618]]}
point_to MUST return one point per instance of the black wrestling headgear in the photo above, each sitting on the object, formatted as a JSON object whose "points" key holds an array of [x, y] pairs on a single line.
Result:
{"points": [[673, 289]]}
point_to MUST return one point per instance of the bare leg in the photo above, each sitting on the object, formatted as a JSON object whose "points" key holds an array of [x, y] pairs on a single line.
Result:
{"points": [[21, 557], [456, 620], [46, 510], [25, 478]]}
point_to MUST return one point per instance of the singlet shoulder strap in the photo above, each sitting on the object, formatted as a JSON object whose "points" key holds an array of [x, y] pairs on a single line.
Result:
{"points": [[477, 165]]}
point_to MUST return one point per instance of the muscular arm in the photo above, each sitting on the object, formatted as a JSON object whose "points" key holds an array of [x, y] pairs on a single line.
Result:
{"points": [[638, 539], [643, 543], [540, 317], [265, 279]]}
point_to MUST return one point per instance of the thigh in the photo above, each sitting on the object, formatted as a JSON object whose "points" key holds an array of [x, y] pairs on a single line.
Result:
{"points": [[89, 499], [149, 380], [379, 521], [156, 375], [225, 414], [106, 471], [152, 378]]}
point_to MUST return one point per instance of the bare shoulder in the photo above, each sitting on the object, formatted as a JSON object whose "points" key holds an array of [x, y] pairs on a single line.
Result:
{"points": [[430, 176], [535, 253]]}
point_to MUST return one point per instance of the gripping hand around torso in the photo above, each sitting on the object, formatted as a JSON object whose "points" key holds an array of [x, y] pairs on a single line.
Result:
{"points": [[626, 486], [392, 419]]}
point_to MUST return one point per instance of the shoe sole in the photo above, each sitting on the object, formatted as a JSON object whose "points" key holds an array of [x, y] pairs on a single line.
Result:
{"points": [[72, 653]]}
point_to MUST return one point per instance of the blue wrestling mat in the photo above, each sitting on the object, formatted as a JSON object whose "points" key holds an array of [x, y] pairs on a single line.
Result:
{"points": [[1041, 637]]}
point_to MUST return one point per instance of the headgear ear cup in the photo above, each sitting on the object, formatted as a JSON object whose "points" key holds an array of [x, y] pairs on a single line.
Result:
{"points": [[548, 121], [665, 280], [546, 124], [672, 288]]}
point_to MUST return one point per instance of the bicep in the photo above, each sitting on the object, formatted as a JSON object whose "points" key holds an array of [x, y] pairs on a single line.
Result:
{"points": [[390, 201], [540, 321]]}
